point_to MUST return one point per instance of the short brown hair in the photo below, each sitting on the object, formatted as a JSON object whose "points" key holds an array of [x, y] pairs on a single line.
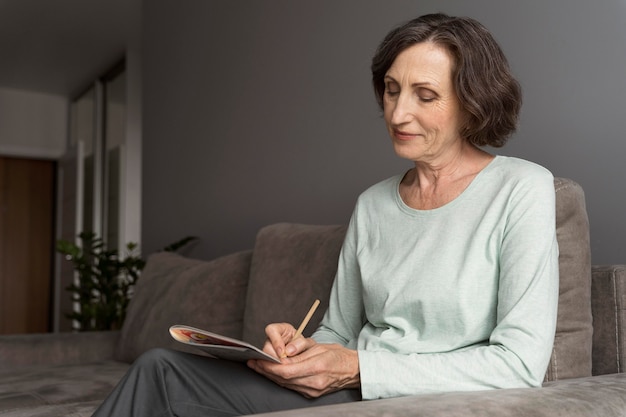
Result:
{"points": [[484, 85]]}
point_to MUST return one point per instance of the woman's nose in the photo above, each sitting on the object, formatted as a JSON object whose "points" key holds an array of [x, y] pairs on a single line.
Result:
{"points": [[402, 110]]}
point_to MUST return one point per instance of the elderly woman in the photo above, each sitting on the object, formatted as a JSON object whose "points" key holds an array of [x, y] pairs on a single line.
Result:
{"points": [[448, 276]]}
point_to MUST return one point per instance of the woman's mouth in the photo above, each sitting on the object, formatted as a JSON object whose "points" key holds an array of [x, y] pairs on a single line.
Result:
{"points": [[402, 135]]}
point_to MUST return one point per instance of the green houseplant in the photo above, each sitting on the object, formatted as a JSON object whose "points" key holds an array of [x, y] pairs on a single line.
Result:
{"points": [[106, 280]]}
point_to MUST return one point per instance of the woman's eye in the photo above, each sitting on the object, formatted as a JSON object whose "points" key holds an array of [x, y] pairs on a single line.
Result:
{"points": [[426, 96], [392, 93]]}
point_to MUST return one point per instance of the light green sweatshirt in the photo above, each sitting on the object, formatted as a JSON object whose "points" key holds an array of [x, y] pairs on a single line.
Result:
{"points": [[458, 298]]}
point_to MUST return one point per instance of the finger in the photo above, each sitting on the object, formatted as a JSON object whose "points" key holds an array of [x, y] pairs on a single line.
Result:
{"points": [[269, 349], [278, 334], [299, 345]]}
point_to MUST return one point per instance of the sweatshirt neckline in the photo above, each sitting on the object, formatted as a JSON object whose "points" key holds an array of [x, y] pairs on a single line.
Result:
{"points": [[448, 206]]}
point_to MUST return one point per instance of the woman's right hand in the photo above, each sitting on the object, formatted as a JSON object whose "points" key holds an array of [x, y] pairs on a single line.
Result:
{"points": [[307, 367], [279, 335]]}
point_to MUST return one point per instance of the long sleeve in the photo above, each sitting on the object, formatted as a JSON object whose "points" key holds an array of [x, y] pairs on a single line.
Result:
{"points": [[462, 297]]}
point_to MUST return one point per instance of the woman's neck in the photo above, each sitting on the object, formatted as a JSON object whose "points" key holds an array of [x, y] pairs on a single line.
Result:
{"points": [[433, 184]]}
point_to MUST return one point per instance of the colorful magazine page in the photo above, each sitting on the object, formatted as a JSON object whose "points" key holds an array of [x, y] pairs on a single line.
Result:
{"points": [[217, 345]]}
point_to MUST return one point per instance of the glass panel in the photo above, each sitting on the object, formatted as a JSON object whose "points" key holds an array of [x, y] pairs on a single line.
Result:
{"points": [[82, 130], [115, 137]]}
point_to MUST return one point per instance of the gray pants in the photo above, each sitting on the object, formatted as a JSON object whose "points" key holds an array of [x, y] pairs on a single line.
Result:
{"points": [[169, 383]]}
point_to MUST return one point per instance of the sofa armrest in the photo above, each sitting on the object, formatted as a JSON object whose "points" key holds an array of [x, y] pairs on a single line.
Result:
{"points": [[24, 350], [608, 306]]}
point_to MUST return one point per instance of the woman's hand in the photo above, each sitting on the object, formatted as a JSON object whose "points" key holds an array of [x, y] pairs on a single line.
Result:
{"points": [[307, 367], [278, 337]]}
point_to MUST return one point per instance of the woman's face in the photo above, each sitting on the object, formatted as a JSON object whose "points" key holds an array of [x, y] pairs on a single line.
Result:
{"points": [[421, 109]]}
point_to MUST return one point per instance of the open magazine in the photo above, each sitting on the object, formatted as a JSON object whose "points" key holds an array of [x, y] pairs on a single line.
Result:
{"points": [[217, 345]]}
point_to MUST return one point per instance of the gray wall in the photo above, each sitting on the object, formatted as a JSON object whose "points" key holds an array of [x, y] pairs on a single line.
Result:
{"points": [[258, 112]]}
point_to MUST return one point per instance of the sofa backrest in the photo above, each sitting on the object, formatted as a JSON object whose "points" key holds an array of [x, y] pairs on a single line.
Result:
{"points": [[571, 355], [178, 290], [293, 264], [608, 304]]}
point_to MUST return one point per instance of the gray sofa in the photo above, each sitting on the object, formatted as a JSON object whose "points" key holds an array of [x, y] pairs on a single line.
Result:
{"points": [[289, 266]]}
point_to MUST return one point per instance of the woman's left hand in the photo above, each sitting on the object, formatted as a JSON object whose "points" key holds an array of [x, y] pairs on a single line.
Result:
{"points": [[313, 369]]}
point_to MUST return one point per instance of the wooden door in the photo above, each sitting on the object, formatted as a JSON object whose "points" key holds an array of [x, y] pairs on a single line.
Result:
{"points": [[26, 244]]}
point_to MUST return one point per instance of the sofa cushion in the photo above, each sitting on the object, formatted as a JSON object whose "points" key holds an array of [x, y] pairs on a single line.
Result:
{"points": [[603, 396], [44, 388], [571, 355], [177, 290], [70, 409], [292, 265]]}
